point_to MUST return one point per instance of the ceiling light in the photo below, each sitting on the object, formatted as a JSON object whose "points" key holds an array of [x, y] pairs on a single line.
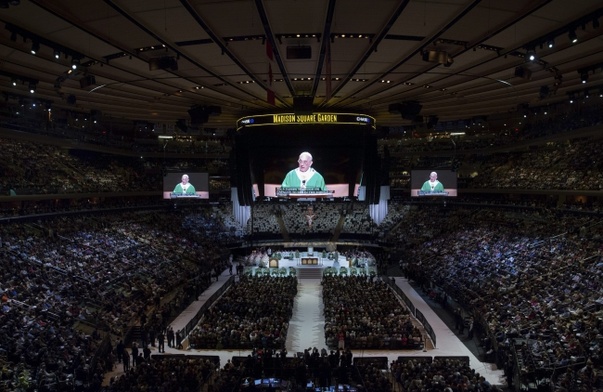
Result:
{"points": [[35, 47], [584, 77], [75, 62], [573, 37], [550, 43], [531, 55], [32, 87], [57, 54]]}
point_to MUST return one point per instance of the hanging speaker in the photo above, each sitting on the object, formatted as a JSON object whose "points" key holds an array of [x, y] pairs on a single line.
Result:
{"points": [[299, 52], [410, 109], [303, 105], [88, 80]]}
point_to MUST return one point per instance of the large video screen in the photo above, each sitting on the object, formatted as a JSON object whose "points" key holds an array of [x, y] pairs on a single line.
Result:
{"points": [[433, 183], [305, 161], [186, 185]]}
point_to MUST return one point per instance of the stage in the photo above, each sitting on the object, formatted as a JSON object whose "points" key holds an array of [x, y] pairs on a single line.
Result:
{"points": [[335, 262]]}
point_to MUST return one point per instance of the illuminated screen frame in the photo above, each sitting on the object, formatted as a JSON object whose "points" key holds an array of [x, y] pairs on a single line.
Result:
{"points": [[337, 142], [199, 180], [448, 178]]}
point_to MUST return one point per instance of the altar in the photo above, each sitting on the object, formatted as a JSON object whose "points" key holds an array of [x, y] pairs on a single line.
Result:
{"points": [[307, 264], [310, 259]]}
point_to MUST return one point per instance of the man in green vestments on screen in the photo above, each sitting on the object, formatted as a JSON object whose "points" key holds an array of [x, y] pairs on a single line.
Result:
{"points": [[184, 187], [304, 176], [433, 185]]}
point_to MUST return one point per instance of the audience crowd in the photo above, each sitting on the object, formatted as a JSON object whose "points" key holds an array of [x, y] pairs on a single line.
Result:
{"points": [[527, 271], [36, 168], [366, 314], [70, 282], [438, 374], [312, 368], [563, 165], [166, 374], [477, 136], [533, 288], [248, 315]]}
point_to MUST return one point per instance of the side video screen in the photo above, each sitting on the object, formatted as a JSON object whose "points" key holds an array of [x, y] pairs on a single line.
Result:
{"points": [[186, 185], [433, 183]]}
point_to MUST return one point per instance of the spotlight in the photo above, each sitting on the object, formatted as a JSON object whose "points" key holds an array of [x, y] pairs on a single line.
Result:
{"points": [[531, 55], [75, 62], [573, 37], [14, 82], [550, 43], [57, 54], [32, 87], [584, 77], [35, 47], [440, 57]]}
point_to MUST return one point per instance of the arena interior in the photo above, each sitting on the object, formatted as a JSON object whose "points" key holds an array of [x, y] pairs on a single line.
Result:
{"points": [[287, 195]]}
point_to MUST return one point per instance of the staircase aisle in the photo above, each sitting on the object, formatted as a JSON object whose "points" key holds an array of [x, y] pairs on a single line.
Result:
{"points": [[306, 328], [312, 273]]}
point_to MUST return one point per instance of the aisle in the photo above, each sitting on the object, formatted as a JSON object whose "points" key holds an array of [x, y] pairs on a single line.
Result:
{"points": [[306, 328]]}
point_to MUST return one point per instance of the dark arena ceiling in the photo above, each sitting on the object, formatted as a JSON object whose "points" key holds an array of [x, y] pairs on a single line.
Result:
{"points": [[154, 60]]}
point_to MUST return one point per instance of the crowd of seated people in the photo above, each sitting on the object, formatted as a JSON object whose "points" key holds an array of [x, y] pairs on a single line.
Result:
{"points": [[559, 165], [34, 168], [491, 247], [40, 347], [131, 137], [184, 145], [522, 278], [168, 374], [317, 218], [365, 313], [265, 219], [132, 262], [224, 213], [438, 374], [254, 312], [396, 213], [24, 208], [358, 220], [215, 222], [310, 369], [69, 282], [537, 126]]}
